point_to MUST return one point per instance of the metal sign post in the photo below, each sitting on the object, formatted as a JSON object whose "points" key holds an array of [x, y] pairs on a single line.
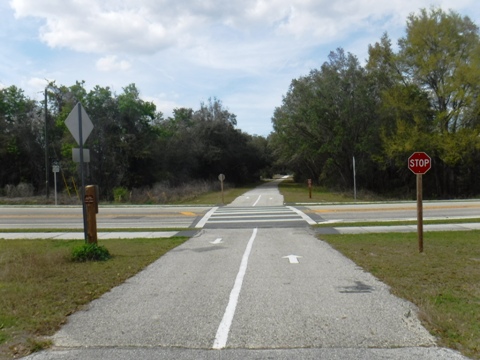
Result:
{"points": [[354, 180], [82, 173], [221, 177], [420, 212], [80, 126], [55, 169]]}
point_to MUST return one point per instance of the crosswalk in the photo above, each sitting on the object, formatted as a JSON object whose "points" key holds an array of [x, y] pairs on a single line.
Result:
{"points": [[241, 217]]}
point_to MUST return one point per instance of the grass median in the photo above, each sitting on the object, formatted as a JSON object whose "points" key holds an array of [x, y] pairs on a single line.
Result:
{"points": [[443, 281], [40, 286], [363, 223], [299, 193]]}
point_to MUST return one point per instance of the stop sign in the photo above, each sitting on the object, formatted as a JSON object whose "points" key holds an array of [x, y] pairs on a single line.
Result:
{"points": [[419, 163]]}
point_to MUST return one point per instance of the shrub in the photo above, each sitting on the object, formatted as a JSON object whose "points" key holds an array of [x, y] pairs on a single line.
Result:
{"points": [[90, 252], [10, 190], [24, 189], [161, 193], [21, 190], [120, 194]]}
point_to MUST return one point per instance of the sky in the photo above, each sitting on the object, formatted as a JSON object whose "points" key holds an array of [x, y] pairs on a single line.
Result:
{"points": [[180, 53]]}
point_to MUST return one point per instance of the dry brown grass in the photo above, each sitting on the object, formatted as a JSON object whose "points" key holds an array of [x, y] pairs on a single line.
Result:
{"points": [[299, 193], [40, 286]]}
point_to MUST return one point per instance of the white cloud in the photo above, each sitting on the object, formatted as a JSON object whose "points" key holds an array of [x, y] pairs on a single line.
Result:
{"points": [[213, 27], [37, 84], [166, 103], [111, 63], [147, 26], [178, 53]]}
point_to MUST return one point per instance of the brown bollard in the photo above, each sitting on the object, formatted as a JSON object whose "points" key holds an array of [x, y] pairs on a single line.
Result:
{"points": [[91, 202]]}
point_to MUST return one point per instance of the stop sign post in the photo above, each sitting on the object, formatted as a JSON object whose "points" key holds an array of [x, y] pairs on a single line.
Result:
{"points": [[419, 163]]}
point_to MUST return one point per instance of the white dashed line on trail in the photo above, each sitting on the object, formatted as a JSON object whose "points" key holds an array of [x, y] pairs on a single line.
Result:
{"points": [[256, 202], [222, 333]]}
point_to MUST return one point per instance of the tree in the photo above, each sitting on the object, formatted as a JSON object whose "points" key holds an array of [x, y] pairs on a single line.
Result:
{"points": [[431, 100], [108, 165], [325, 120], [131, 145], [440, 54], [219, 147], [179, 161], [22, 139], [214, 111]]}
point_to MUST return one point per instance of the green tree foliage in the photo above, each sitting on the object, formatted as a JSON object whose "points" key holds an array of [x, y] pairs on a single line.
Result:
{"points": [[440, 55], [433, 104], [204, 143], [325, 121], [21, 138], [131, 145], [425, 97]]}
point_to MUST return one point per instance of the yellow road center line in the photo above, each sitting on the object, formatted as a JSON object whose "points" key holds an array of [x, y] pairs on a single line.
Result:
{"points": [[188, 213]]}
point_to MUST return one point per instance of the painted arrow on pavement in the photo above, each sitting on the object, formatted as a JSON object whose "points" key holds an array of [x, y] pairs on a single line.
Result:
{"points": [[216, 241], [293, 259]]}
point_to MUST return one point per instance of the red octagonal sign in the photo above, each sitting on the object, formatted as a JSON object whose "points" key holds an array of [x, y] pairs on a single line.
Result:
{"points": [[419, 163]]}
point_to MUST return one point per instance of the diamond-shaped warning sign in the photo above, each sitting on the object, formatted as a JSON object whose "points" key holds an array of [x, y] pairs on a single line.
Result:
{"points": [[73, 120]]}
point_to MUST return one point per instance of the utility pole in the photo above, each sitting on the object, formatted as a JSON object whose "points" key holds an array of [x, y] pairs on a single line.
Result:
{"points": [[46, 146]]}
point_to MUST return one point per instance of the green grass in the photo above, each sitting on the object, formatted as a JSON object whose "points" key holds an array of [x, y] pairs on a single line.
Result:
{"points": [[397, 223], [70, 230], [40, 286], [215, 198], [299, 193], [444, 281]]}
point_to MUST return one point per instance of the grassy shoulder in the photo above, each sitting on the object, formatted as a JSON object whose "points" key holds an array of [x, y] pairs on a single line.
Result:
{"points": [[102, 230], [40, 286], [191, 194], [396, 223], [299, 193], [215, 197], [443, 281]]}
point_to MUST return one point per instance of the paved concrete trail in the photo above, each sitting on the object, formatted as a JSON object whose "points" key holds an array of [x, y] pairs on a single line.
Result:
{"points": [[248, 293]]}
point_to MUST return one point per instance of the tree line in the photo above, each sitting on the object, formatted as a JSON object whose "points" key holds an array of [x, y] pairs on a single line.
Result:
{"points": [[132, 144], [423, 97]]}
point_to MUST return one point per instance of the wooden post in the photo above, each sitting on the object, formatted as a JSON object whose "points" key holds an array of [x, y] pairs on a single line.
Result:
{"points": [[310, 188], [221, 177], [223, 197], [420, 212], [91, 204]]}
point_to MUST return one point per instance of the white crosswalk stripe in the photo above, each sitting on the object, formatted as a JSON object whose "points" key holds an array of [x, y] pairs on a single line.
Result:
{"points": [[271, 216]]}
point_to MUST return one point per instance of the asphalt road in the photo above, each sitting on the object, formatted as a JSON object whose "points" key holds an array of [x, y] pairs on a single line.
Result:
{"points": [[161, 217], [248, 293], [394, 211], [117, 217]]}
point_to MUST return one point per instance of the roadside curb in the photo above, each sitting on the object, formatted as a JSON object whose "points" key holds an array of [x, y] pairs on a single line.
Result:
{"points": [[101, 235], [396, 229]]}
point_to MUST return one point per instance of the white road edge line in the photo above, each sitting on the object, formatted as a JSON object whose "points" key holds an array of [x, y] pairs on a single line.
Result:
{"points": [[224, 328], [304, 216], [204, 220], [256, 202]]}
